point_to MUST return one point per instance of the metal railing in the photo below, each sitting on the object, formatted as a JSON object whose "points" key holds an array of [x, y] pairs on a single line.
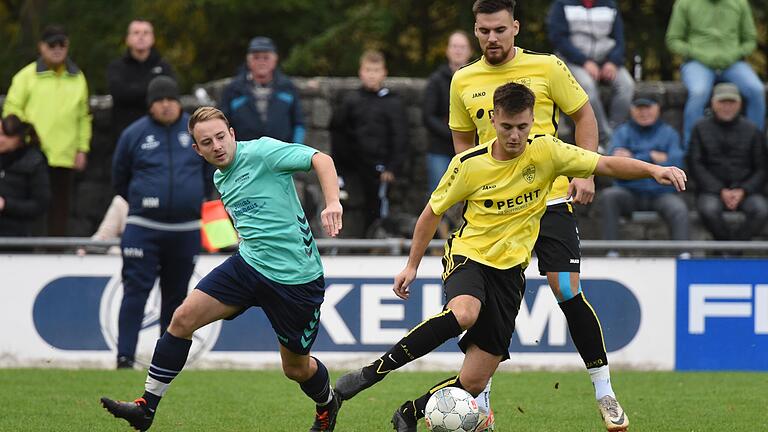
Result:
{"points": [[400, 246]]}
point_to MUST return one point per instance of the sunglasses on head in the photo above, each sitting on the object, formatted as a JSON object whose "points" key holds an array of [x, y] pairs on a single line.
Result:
{"points": [[57, 43]]}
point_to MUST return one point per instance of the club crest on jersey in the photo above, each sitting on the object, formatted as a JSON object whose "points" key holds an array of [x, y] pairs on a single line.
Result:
{"points": [[524, 81], [529, 173]]}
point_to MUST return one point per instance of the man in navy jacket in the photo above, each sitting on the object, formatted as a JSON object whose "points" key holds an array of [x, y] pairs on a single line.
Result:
{"points": [[262, 101], [589, 36], [645, 137], [164, 181]]}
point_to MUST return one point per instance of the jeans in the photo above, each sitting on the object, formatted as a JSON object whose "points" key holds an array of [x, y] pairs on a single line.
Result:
{"points": [[711, 209], [617, 201], [436, 166], [699, 79], [622, 90]]}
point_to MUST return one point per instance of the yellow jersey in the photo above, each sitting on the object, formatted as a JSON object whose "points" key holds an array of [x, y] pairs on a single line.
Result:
{"points": [[472, 88], [505, 200]]}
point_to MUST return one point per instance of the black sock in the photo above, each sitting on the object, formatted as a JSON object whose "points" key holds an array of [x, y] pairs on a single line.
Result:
{"points": [[421, 340], [167, 361], [421, 403], [318, 387], [585, 331]]}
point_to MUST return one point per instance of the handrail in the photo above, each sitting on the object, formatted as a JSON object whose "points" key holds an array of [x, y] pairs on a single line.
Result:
{"points": [[399, 246]]}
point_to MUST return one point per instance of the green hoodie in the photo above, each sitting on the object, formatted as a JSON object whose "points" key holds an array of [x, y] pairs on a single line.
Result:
{"points": [[57, 105], [717, 33]]}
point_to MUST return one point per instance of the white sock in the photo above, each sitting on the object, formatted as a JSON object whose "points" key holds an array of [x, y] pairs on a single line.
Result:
{"points": [[601, 379], [484, 398]]}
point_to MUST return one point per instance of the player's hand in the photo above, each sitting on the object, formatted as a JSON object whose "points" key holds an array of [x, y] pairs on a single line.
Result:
{"points": [[592, 69], [2, 203], [582, 190], [671, 176], [608, 72], [331, 218], [403, 281]]}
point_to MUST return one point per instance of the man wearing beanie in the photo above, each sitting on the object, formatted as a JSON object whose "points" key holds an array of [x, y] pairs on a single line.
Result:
{"points": [[164, 181]]}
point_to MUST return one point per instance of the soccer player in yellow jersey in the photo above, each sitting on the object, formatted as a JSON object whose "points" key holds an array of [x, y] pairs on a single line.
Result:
{"points": [[504, 183], [558, 246]]}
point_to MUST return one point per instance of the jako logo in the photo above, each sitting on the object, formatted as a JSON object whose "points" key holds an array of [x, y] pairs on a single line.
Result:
{"points": [[727, 301]]}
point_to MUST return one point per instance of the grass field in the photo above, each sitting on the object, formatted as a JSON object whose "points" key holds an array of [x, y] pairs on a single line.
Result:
{"points": [[68, 400]]}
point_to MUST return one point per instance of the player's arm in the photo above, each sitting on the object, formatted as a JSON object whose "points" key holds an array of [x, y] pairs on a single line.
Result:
{"points": [[583, 190], [329, 183], [632, 169], [463, 140], [422, 234]]}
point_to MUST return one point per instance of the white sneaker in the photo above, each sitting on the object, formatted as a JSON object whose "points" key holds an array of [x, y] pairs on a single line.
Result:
{"points": [[613, 415]]}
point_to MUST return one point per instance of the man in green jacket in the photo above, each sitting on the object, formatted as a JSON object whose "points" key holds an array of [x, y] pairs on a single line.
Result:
{"points": [[52, 94], [714, 37]]}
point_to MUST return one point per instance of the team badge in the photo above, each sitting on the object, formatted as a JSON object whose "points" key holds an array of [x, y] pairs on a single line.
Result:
{"points": [[526, 81], [184, 139], [529, 173]]}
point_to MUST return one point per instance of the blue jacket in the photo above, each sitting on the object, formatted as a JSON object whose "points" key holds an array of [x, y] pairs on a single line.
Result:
{"points": [[284, 118], [158, 172], [640, 141], [579, 33]]}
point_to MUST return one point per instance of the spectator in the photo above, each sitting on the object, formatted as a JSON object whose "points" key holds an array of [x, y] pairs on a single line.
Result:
{"points": [[727, 158], [64, 127], [129, 75], [164, 181], [262, 101], [589, 36], [713, 38], [436, 104], [369, 136], [24, 188], [645, 137]]}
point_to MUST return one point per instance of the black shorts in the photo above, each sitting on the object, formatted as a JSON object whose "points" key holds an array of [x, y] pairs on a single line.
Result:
{"points": [[558, 247], [500, 292], [292, 310]]}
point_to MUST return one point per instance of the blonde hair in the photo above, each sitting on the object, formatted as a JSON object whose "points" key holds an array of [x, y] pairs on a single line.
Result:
{"points": [[373, 56], [204, 114]]}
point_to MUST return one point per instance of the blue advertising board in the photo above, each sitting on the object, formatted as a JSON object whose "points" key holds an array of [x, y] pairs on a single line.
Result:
{"points": [[722, 315]]}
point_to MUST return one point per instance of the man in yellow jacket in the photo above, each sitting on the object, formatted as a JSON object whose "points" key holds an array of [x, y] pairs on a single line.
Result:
{"points": [[52, 94]]}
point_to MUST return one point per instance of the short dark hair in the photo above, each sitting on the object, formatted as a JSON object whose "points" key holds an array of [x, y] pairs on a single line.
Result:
{"points": [[13, 126], [493, 6], [513, 98]]}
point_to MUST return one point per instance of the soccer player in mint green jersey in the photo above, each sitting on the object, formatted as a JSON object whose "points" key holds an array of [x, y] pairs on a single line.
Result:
{"points": [[276, 268]]}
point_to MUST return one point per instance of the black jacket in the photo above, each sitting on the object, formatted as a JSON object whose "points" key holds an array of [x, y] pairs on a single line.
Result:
{"points": [[369, 129], [437, 98], [727, 155], [25, 187], [285, 120], [128, 80]]}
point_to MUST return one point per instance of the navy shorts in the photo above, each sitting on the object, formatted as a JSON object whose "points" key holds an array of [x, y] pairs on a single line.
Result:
{"points": [[293, 310]]}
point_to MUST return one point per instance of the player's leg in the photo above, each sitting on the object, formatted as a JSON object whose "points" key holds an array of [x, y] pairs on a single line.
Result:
{"points": [[485, 344], [558, 251], [474, 377], [213, 299], [177, 263], [140, 252], [460, 313], [294, 313]]}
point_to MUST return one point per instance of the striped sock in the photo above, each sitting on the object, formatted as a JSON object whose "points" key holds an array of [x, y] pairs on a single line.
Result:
{"points": [[167, 362]]}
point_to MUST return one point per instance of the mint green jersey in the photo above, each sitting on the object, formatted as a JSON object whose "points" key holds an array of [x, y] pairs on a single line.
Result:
{"points": [[258, 192]]}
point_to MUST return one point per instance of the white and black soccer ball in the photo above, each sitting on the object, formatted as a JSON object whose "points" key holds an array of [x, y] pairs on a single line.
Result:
{"points": [[451, 409]]}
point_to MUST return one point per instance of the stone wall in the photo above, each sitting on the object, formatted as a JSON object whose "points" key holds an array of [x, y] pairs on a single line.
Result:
{"points": [[319, 96]]}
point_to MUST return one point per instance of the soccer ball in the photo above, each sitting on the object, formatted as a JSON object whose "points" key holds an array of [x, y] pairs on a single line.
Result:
{"points": [[451, 409]]}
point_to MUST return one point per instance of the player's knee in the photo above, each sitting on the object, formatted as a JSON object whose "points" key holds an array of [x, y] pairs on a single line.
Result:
{"points": [[475, 385], [296, 372], [183, 323], [465, 316]]}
